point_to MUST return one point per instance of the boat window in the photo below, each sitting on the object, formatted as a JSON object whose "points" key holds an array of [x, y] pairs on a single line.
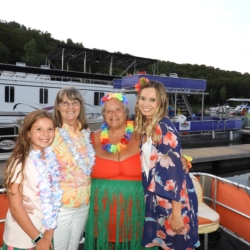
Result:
{"points": [[43, 96], [9, 94], [97, 98]]}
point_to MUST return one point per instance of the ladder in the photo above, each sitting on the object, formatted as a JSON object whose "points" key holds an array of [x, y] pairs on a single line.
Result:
{"points": [[184, 106]]}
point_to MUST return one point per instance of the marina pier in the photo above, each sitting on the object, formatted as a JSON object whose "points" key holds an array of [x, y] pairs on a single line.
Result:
{"points": [[220, 160], [209, 160]]}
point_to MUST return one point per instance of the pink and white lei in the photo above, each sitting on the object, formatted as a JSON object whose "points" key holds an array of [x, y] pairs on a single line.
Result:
{"points": [[48, 185]]}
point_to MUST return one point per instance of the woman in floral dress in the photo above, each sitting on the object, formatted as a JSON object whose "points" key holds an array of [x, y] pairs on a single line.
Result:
{"points": [[171, 204]]}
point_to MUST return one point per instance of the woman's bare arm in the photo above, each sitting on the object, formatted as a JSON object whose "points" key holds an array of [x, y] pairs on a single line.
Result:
{"points": [[18, 212]]}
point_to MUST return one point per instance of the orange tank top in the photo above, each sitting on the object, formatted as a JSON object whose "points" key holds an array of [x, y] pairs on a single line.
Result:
{"points": [[128, 169]]}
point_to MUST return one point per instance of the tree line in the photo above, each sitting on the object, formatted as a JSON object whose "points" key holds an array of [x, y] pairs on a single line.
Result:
{"points": [[21, 44]]}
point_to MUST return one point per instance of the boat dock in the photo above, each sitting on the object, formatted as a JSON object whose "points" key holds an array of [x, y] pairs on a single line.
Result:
{"points": [[218, 159], [209, 160]]}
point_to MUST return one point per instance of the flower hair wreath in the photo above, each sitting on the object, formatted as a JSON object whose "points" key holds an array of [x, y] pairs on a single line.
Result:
{"points": [[140, 82], [122, 98], [104, 136]]}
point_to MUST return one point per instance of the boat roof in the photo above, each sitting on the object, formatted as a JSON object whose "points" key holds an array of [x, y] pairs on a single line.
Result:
{"points": [[88, 57], [104, 58], [174, 85], [238, 100], [55, 72]]}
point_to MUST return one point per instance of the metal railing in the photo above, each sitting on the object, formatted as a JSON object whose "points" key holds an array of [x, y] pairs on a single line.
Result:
{"points": [[206, 182], [13, 125]]}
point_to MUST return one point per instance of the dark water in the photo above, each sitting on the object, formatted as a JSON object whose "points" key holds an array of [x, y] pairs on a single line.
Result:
{"points": [[241, 177]]}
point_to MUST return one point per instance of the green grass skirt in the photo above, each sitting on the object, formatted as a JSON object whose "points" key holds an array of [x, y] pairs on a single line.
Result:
{"points": [[127, 215]]}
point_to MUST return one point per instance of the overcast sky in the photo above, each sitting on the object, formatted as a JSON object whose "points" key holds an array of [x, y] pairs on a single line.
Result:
{"points": [[211, 32]]}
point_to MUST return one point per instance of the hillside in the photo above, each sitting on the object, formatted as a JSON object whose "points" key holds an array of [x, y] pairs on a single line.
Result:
{"points": [[21, 44]]}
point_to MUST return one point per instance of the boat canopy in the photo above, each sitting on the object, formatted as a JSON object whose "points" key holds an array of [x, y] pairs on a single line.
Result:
{"points": [[179, 85], [238, 100], [90, 57]]}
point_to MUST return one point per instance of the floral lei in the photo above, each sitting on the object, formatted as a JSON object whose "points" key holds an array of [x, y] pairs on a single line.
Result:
{"points": [[122, 98], [84, 163], [113, 148], [48, 185]]}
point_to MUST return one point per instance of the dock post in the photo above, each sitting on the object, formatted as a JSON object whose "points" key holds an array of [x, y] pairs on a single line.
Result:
{"points": [[231, 135]]}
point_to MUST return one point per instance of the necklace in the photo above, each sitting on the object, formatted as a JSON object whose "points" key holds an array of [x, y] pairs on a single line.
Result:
{"points": [[84, 162], [113, 148], [48, 185]]}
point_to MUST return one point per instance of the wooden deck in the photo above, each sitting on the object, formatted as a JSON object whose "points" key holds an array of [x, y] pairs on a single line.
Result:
{"points": [[220, 160], [205, 156], [218, 153]]}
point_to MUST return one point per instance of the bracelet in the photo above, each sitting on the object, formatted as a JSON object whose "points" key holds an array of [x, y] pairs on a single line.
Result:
{"points": [[39, 237]]}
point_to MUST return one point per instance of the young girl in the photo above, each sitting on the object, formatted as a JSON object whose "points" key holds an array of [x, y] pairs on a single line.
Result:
{"points": [[171, 203], [32, 170]]}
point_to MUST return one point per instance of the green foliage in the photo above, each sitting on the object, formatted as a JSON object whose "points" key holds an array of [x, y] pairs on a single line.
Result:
{"points": [[18, 43], [31, 56], [212, 96], [221, 84], [4, 52], [223, 93]]}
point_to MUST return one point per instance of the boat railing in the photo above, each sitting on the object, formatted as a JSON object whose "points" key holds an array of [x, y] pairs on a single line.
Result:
{"points": [[208, 125], [52, 77], [15, 126], [3, 210], [213, 186], [224, 121], [93, 115], [221, 121], [8, 134], [215, 202]]}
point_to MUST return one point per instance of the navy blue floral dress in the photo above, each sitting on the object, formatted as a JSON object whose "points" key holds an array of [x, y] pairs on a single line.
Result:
{"points": [[168, 181]]}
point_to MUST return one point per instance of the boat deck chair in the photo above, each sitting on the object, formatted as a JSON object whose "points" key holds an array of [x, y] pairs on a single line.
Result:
{"points": [[208, 219]]}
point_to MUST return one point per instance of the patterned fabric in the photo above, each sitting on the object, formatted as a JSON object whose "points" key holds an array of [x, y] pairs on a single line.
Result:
{"points": [[5, 247], [168, 181], [74, 183]]}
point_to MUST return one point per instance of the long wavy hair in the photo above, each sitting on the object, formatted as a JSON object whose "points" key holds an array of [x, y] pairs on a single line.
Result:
{"points": [[141, 125], [72, 94], [22, 147]]}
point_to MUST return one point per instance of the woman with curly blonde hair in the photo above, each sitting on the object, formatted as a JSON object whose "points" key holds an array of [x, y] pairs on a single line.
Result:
{"points": [[171, 204]]}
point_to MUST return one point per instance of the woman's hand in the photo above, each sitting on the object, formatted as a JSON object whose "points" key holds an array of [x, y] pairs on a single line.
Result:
{"points": [[28, 208], [44, 244], [177, 224], [176, 220]]}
